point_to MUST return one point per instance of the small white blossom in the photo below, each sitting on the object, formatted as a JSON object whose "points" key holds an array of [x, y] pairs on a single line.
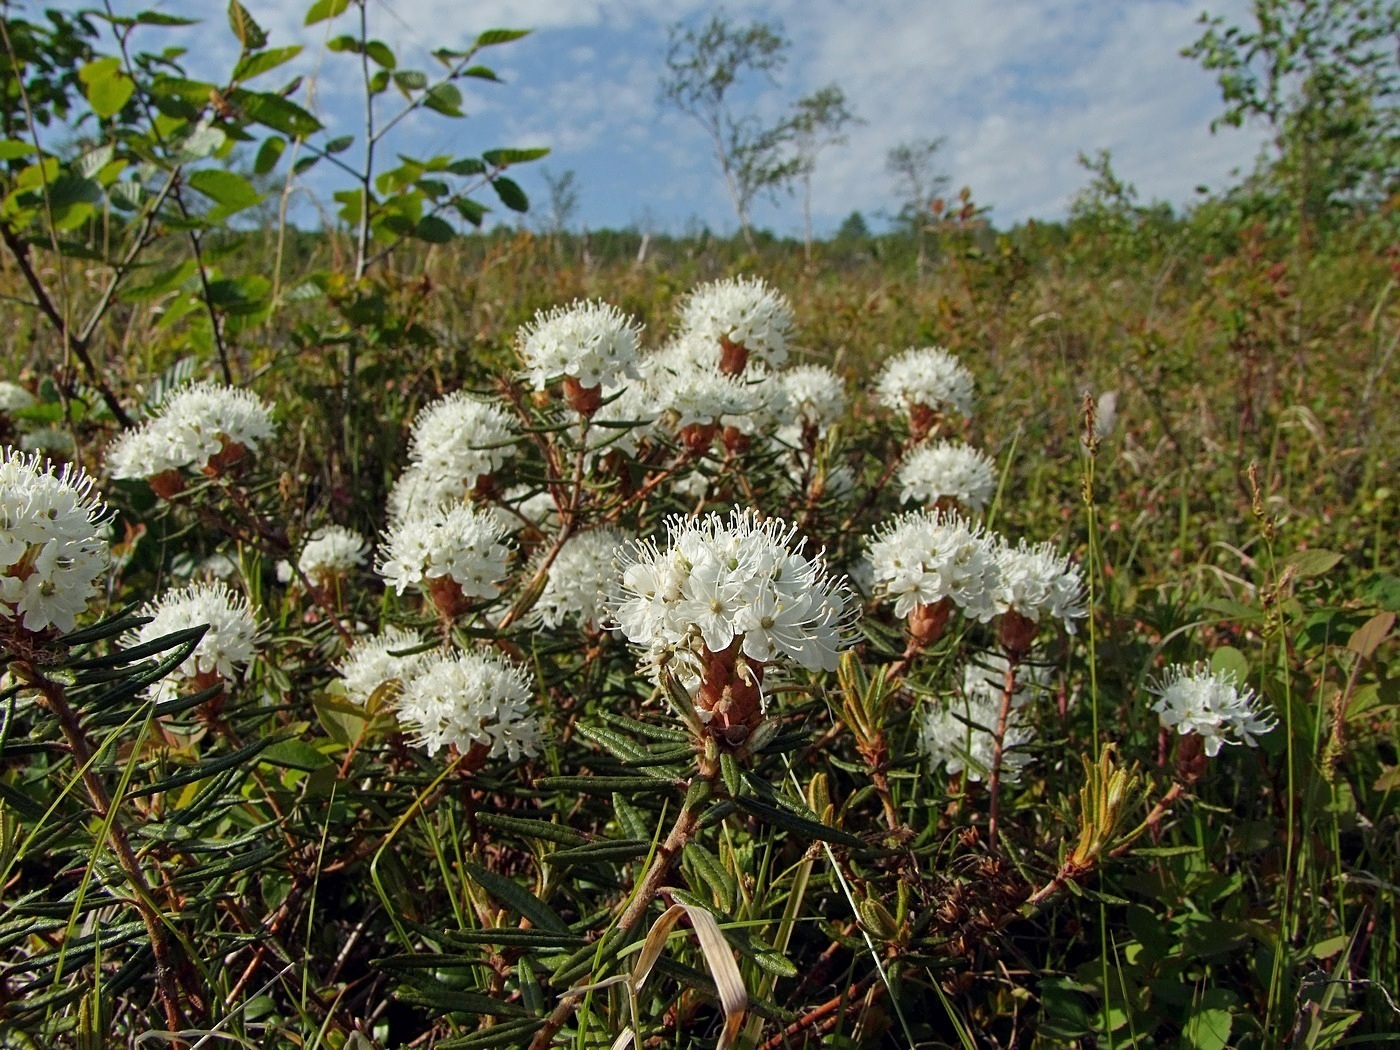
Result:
{"points": [[460, 542], [929, 378], [685, 394], [592, 342], [371, 664], [472, 698], [922, 557], [232, 637], [1197, 700], [456, 441], [961, 736], [948, 470], [744, 312], [722, 581], [192, 429], [332, 551], [52, 543], [1039, 584], [816, 396], [580, 579]]}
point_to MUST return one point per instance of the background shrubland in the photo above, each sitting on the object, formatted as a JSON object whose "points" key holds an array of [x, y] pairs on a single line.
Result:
{"points": [[1196, 408]]}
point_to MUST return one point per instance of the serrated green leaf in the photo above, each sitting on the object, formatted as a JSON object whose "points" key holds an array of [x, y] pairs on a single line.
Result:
{"points": [[255, 65], [324, 9], [492, 37], [275, 112], [410, 80], [499, 158], [381, 54], [481, 73], [517, 898], [445, 99], [510, 193], [91, 163], [470, 210]]}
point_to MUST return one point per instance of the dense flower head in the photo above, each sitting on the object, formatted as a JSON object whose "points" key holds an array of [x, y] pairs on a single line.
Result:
{"points": [[948, 470], [930, 378], [52, 543], [457, 542], [456, 441], [684, 393], [471, 698], [331, 551], [816, 396], [580, 578], [592, 342], [718, 581], [1211, 704], [1039, 584], [232, 637], [193, 429], [371, 664], [923, 556], [744, 312], [960, 735]]}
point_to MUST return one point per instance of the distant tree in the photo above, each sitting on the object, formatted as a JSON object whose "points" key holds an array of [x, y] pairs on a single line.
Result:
{"points": [[1324, 75], [853, 228], [919, 183], [817, 121], [563, 199], [702, 67]]}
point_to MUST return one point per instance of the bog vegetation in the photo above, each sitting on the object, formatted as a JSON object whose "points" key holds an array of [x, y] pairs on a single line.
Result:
{"points": [[950, 637]]}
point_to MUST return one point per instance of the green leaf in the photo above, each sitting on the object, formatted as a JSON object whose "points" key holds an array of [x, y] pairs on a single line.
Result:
{"points": [[163, 283], [410, 80], [264, 61], [512, 196], [1367, 638], [444, 99], [517, 898], [269, 153], [470, 210], [466, 166], [324, 9], [229, 190], [339, 144], [108, 87], [511, 1033], [10, 149], [499, 158], [1229, 659], [275, 112], [90, 164], [381, 54], [294, 753], [249, 33], [530, 828], [204, 140], [500, 36], [1309, 563], [789, 821], [481, 73], [158, 18], [600, 853]]}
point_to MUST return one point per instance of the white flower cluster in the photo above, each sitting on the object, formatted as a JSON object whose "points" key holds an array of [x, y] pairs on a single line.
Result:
{"points": [[332, 550], [744, 312], [1195, 699], [930, 378], [736, 581], [456, 442], [594, 343], [961, 736], [472, 698], [816, 396], [52, 547], [457, 542], [229, 643], [1038, 584], [923, 556], [371, 664], [579, 579], [193, 429], [948, 470]]}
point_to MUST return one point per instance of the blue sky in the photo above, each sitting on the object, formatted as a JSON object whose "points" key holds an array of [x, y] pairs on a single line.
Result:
{"points": [[1017, 88]]}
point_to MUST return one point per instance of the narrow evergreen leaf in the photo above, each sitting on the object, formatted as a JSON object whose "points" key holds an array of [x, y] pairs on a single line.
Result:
{"points": [[517, 897]]}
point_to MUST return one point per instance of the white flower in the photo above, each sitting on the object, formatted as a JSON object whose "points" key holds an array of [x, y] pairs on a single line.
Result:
{"points": [[739, 580], [232, 637], [924, 556], [370, 664], [456, 441], [194, 429], [961, 736], [685, 393], [52, 543], [14, 397], [1197, 700], [816, 396], [1106, 413], [457, 542], [984, 679], [580, 578], [743, 312], [948, 470], [591, 342], [1038, 584], [472, 698], [929, 378], [331, 551]]}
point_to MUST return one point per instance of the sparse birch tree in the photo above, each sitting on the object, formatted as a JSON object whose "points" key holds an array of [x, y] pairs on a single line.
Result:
{"points": [[919, 183], [818, 121]]}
